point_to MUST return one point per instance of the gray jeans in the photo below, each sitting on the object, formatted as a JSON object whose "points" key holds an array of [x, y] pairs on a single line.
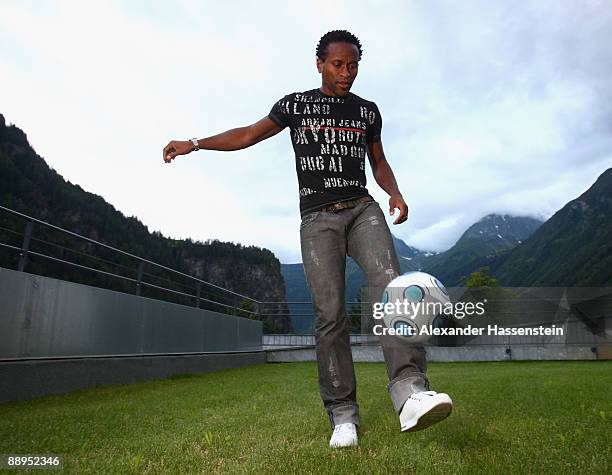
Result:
{"points": [[326, 239]]}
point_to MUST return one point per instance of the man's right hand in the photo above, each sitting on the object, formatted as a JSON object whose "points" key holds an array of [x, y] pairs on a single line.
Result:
{"points": [[177, 147]]}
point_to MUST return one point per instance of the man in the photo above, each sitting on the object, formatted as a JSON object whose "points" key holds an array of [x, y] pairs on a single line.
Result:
{"points": [[332, 131]]}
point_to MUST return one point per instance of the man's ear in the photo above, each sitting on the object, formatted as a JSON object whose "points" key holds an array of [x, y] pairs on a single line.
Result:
{"points": [[319, 65]]}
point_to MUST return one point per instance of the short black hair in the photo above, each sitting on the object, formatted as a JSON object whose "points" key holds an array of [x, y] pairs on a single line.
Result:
{"points": [[336, 36]]}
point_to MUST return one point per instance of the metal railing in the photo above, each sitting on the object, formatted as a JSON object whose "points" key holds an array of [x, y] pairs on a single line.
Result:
{"points": [[25, 251]]}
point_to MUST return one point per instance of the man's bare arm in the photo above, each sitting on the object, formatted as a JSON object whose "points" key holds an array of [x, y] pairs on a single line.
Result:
{"points": [[233, 139], [386, 179]]}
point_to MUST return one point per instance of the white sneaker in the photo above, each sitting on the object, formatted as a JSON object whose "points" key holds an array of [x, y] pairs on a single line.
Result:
{"points": [[345, 435], [423, 409]]}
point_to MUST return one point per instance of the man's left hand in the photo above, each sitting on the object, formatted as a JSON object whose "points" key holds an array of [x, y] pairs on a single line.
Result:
{"points": [[397, 201]]}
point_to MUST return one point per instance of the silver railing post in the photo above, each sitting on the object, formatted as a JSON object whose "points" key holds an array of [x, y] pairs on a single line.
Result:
{"points": [[25, 246], [139, 278]]}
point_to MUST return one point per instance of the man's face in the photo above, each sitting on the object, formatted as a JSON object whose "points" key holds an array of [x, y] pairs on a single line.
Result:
{"points": [[339, 69]]}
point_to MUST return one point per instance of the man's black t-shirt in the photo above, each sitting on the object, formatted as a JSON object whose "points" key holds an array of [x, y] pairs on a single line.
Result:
{"points": [[329, 136]]}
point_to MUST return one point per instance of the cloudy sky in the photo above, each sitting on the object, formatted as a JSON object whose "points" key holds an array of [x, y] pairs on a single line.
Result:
{"points": [[488, 106]]}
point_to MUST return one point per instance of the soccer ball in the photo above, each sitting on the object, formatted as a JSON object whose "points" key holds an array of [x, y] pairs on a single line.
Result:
{"points": [[411, 302]]}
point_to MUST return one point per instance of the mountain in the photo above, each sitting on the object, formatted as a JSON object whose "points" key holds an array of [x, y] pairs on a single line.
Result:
{"points": [[479, 245], [410, 258], [30, 186], [572, 248]]}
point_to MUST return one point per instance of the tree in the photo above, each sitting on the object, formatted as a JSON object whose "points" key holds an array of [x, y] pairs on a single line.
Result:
{"points": [[479, 278]]}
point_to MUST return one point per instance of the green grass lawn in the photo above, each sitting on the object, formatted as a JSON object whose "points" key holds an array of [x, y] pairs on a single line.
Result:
{"points": [[509, 417]]}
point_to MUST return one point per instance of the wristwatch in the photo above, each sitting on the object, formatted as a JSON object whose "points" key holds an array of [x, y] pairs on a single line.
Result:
{"points": [[196, 146]]}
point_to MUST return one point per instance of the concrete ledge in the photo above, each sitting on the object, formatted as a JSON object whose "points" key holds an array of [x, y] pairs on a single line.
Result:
{"points": [[285, 355], [29, 379], [361, 353], [373, 353], [563, 352], [309, 340]]}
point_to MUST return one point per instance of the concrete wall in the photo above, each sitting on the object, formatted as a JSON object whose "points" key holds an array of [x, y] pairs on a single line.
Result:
{"points": [[281, 348], [34, 378], [301, 340], [45, 317], [373, 353], [58, 336]]}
